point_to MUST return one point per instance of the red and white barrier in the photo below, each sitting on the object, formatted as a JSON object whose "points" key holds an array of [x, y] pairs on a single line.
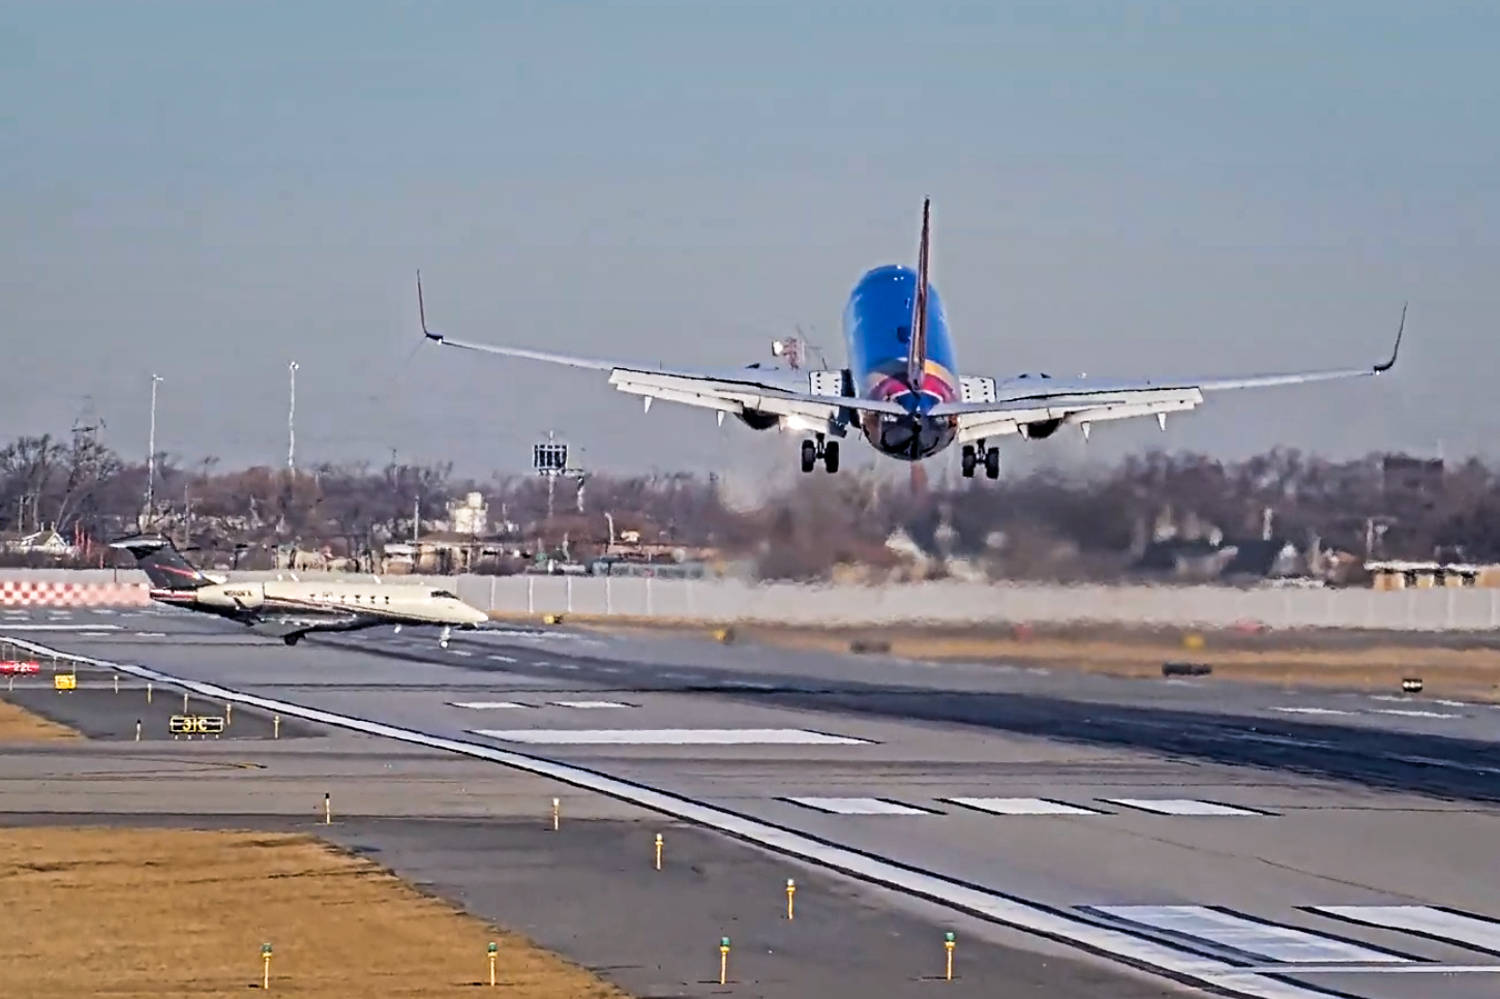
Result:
{"points": [[25, 593]]}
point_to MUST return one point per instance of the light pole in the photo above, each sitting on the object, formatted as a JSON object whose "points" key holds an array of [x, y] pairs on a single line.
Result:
{"points": [[291, 423], [151, 450]]}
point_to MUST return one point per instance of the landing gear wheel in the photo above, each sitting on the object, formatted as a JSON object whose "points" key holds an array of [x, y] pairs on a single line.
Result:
{"points": [[809, 455], [992, 463], [967, 461], [831, 456], [290, 639]]}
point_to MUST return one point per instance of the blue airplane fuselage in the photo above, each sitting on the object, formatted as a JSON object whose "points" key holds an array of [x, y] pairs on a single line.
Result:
{"points": [[877, 335]]}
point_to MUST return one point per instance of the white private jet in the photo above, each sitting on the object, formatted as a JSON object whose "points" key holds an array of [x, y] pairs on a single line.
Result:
{"points": [[290, 609]]}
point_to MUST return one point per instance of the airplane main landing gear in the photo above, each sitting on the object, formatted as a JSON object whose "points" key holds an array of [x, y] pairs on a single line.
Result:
{"points": [[826, 450], [976, 454], [291, 639]]}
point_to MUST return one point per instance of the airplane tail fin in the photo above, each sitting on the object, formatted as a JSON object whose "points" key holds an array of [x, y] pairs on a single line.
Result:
{"points": [[916, 357], [162, 563]]}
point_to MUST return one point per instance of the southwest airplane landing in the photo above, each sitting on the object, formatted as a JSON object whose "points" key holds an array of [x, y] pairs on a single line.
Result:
{"points": [[902, 389]]}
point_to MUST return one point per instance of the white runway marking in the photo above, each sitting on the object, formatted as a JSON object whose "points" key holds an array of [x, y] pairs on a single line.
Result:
{"points": [[1312, 711], [1415, 714], [151, 634], [1267, 941], [1477, 932], [1022, 806], [460, 652], [858, 806], [668, 737], [502, 659], [590, 705], [1006, 910], [60, 627], [1181, 806], [487, 705]]}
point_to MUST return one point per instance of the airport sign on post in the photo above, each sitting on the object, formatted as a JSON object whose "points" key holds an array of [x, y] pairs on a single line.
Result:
{"points": [[549, 458], [191, 725], [65, 681]]}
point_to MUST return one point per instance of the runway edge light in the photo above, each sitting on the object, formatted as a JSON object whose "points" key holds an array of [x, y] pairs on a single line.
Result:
{"points": [[492, 949], [265, 974], [723, 960], [948, 944]]}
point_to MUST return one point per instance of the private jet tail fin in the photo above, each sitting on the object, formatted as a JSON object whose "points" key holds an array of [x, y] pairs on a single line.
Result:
{"points": [[916, 356], [162, 563]]}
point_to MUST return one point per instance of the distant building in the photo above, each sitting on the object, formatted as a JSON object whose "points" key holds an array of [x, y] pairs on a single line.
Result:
{"points": [[1398, 575], [1216, 559], [471, 515], [48, 543]]}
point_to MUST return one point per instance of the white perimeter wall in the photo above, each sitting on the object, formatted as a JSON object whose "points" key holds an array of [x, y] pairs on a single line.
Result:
{"points": [[937, 602]]}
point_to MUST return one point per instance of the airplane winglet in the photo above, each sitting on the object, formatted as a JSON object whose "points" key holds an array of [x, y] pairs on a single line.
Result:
{"points": [[422, 312], [1396, 349]]}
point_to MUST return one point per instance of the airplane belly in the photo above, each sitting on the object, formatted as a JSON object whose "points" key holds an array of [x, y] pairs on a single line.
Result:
{"points": [[911, 439]]}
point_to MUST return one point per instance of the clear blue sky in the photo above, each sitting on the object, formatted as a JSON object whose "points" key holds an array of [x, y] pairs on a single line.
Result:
{"points": [[212, 190]]}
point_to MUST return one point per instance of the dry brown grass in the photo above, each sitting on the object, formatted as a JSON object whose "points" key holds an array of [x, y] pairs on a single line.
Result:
{"points": [[1469, 672], [1362, 662], [19, 725], [178, 913]]}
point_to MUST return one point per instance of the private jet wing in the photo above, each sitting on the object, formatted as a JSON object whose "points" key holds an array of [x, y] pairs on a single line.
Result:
{"points": [[816, 396], [1038, 406], [280, 625]]}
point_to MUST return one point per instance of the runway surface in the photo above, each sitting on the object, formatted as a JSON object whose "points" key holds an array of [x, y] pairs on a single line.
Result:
{"points": [[1234, 839]]}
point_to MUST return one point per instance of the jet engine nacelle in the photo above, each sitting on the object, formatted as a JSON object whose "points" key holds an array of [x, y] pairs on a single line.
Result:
{"points": [[756, 420], [1041, 430]]}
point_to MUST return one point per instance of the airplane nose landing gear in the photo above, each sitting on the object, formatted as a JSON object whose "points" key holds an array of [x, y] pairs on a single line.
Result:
{"points": [[447, 633], [820, 449]]}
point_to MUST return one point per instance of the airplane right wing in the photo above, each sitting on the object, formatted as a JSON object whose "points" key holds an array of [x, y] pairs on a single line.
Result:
{"points": [[1037, 406], [811, 399]]}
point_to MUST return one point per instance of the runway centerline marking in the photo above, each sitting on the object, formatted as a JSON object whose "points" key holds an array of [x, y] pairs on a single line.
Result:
{"points": [[1413, 713], [591, 705], [1242, 935], [1183, 806], [502, 659], [858, 806], [1022, 806], [1121, 945], [668, 737], [1312, 711], [1479, 933], [488, 705], [61, 627]]}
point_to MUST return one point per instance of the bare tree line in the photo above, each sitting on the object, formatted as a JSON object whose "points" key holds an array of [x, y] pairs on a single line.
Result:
{"points": [[1042, 524]]}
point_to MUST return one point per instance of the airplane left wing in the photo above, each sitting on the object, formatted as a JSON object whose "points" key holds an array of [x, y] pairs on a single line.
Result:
{"points": [[807, 397], [1038, 406]]}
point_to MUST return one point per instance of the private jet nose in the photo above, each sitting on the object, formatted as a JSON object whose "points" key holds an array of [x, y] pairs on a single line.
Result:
{"points": [[473, 615]]}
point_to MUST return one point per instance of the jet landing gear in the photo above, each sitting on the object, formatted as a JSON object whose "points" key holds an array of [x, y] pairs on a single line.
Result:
{"points": [[975, 455], [446, 634], [813, 450]]}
